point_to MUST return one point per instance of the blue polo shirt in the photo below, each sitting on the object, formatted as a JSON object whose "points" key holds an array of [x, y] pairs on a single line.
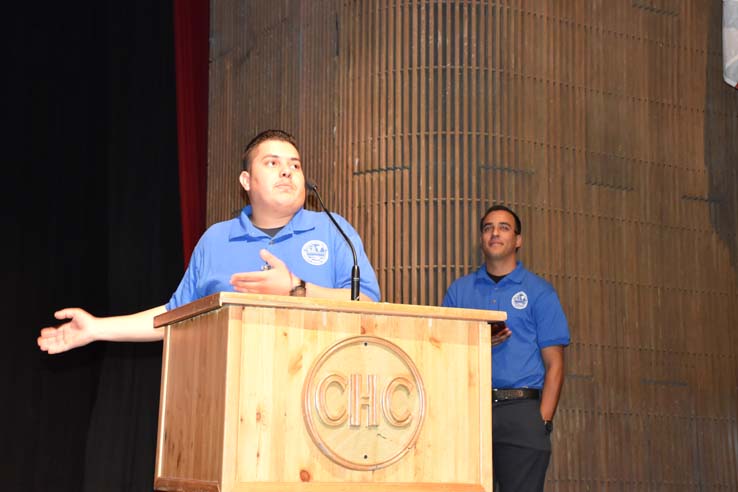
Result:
{"points": [[534, 315], [310, 245]]}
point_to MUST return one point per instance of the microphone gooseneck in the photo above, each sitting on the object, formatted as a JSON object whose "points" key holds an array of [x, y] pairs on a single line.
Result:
{"points": [[355, 277]]}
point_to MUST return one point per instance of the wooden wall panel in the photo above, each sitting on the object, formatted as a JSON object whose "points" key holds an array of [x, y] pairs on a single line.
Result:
{"points": [[604, 123]]}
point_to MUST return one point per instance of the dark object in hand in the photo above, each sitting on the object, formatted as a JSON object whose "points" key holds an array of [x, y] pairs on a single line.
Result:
{"points": [[497, 327]]}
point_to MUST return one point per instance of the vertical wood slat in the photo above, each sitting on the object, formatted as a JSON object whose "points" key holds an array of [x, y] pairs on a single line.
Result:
{"points": [[595, 120]]}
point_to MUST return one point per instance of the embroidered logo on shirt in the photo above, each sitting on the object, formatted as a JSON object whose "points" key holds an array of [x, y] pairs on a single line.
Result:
{"points": [[520, 300], [315, 252]]}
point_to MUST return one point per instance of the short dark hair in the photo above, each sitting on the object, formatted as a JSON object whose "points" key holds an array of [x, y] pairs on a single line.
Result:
{"points": [[495, 208], [264, 136]]}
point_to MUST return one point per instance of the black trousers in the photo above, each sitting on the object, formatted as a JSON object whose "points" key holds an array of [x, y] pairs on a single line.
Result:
{"points": [[521, 446]]}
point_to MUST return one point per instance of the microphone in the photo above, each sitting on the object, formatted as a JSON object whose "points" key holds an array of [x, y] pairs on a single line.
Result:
{"points": [[355, 278]]}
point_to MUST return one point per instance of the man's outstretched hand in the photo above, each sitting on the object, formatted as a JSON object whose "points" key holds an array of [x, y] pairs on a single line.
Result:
{"points": [[75, 332]]}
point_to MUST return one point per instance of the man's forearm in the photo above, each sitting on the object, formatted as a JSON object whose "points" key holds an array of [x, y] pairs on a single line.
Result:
{"points": [[137, 327], [313, 290], [553, 359]]}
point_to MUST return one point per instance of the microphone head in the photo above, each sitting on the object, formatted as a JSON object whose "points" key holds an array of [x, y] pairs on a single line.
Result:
{"points": [[310, 185]]}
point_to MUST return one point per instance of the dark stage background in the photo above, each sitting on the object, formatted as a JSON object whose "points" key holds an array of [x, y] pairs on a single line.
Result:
{"points": [[91, 218]]}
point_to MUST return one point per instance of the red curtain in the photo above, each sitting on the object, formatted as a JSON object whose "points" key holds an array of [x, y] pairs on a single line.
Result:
{"points": [[191, 33]]}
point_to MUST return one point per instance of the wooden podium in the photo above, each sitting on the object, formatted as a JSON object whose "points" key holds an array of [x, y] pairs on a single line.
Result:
{"points": [[272, 393]]}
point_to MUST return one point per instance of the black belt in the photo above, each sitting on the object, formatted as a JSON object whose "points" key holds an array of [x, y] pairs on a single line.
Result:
{"points": [[515, 394]]}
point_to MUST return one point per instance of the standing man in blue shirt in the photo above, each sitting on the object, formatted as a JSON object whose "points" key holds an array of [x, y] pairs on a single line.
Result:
{"points": [[527, 355], [277, 246]]}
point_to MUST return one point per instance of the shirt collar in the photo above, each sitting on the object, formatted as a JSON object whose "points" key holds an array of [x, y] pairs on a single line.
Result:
{"points": [[244, 228], [515, 276]]}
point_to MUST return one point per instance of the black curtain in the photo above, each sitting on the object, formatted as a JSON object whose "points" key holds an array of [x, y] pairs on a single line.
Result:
{"points": [[90, 218]]}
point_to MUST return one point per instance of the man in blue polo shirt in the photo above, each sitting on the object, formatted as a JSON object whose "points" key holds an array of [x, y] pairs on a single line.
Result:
{"points": [[527, 355], [274, 246]]}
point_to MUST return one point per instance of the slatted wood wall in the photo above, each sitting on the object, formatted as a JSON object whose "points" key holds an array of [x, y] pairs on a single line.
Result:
{"points": [[604, 123]]}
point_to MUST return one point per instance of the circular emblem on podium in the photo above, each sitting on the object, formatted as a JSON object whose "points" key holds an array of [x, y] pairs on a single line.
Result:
{"points": [[363, 403]]}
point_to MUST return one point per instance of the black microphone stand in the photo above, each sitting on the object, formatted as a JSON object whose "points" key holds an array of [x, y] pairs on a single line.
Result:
{"points": [[355, 277]]}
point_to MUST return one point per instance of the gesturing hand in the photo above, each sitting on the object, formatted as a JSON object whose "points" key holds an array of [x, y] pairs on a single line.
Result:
{"points": [[275, 280], [76, 332]]}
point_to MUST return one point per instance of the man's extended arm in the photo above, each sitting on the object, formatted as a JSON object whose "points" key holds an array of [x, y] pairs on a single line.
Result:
{"points": [[82, 328]]}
